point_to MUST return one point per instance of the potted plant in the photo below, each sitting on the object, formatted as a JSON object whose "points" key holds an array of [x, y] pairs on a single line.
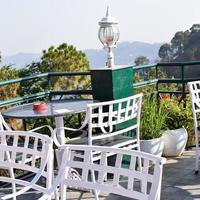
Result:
{"points": [[153, 120], [179, 123]]}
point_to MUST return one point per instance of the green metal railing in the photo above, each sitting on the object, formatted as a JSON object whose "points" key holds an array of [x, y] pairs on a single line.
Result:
{"points": [[47, 93], [156, 81]]}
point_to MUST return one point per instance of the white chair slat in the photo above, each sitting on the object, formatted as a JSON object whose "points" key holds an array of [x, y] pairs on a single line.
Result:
{"points": [[145, 169], [35, 146], [103, 161], [87, 159], [118, 164], [132, 167]]}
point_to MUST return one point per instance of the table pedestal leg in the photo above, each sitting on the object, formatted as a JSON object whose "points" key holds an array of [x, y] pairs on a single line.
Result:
{"points": [[60, 132]]}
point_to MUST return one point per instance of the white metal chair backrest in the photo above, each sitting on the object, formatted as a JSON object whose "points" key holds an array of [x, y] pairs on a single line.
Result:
{"points": [[194, 90], [106, 115], [143, 183], [28, 152], [3, 124]]}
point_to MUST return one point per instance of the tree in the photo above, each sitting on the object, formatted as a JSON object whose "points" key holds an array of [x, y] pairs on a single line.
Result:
{"points": [[143, 73], [8, 91], [184, 46], [64, 58], [165, 52], [141, 60]]}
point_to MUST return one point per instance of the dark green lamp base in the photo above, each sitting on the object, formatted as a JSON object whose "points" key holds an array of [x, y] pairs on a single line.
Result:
{"points": [[112, 83]]}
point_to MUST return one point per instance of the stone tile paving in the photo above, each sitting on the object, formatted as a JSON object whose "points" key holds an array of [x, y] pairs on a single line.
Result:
{"points": [[179, 179]]}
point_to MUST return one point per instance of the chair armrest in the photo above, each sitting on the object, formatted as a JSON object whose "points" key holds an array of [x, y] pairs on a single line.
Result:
{"points": [[38, 128], [54, 135], [2, 120], [57, 143]]}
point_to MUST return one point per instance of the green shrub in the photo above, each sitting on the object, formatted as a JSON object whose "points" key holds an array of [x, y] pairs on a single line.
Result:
{"points": [[179, 115], [153, 119]]}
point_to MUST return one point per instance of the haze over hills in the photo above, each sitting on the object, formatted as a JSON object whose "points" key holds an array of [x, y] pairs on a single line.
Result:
{"points": [[20, 60], [125, 54]]}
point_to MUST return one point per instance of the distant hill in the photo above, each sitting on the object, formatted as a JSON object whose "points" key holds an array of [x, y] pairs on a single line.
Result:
{"points": [[20, 60], [125, 54]]}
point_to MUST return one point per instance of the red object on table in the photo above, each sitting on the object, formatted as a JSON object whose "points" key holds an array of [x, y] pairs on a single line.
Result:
{"points": [[40, 106]]}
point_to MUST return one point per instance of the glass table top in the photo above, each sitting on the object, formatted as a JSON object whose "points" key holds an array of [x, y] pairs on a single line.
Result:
{"points": [[55, 108]]}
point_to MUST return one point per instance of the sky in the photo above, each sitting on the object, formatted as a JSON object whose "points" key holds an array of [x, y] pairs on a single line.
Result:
{"points": [[30, 26]]}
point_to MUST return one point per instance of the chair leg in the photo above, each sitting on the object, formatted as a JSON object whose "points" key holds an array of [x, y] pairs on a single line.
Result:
{"points": [[63, 192], [56, 193], [197, 161], [96, 193], [12, 175], [13, 184], [158, 194]]}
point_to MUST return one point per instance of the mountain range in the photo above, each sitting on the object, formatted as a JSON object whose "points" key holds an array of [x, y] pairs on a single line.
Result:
{"points": [[125, 54]]}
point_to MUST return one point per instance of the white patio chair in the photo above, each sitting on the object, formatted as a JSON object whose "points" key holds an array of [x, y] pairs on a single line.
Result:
{"points": [[5, 126], [194, 90], [28, 152], [112, 123], [127, 180]]}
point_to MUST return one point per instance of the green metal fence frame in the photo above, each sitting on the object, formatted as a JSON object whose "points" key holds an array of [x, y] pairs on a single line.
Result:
{"points": [[48, 92], [182, 80]]}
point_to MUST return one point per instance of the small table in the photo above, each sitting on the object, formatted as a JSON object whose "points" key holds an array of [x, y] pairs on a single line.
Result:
{"points": [[56, 109]]}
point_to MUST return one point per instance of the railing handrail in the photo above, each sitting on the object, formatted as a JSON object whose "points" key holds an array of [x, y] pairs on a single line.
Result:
{"points": [[68, 73], [178, 63], [144, 66], [43, 75], [19, 80]]}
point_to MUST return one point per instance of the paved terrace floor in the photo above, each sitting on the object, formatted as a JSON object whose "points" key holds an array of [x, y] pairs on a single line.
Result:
{"points": [[179, 182]]}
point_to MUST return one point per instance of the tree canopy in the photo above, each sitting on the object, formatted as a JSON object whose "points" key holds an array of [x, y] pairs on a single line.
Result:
{"points": [[184, 46], [64, 58], [141, 60], [8, 91]]}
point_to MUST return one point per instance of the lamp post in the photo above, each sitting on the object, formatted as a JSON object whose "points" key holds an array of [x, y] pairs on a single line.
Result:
{"points": [[109, 35], [114, 81]]}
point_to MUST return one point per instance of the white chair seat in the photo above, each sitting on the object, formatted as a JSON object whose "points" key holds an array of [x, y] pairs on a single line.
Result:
{"points": [[115, 141]]}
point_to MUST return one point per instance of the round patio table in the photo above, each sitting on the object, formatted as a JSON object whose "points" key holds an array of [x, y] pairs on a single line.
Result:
{"points": [[56, 109]]}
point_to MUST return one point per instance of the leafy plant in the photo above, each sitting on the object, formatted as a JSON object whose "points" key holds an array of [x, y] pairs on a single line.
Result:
{"points": [[153, 119], [179, 115]]}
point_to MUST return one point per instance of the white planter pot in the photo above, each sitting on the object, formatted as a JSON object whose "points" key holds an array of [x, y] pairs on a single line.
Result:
{"points": [[154, 146], [174, 142]]}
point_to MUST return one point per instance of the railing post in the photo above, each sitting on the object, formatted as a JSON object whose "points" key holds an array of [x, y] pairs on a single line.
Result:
{"points": [[157, 94], [49, 84], [183, 83]]}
